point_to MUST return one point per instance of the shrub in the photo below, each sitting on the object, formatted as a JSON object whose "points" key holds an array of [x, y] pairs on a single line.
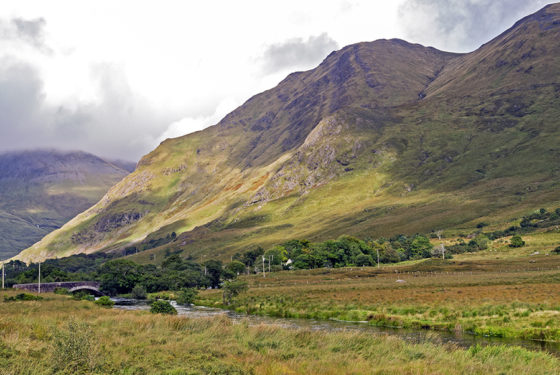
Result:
{"points": [[138, 292], [233, 289], [22, 297], [557, 250], [83, 295], [162, 307], [516, 241], [62, 291], [74, 349], [104, 301], [186, 296]]}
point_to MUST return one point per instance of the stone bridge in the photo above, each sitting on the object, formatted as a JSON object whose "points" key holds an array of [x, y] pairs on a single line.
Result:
{"points": [[72, 286]]}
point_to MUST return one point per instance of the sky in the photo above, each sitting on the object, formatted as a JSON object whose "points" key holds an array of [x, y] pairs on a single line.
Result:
{"points": [[116, 78]]}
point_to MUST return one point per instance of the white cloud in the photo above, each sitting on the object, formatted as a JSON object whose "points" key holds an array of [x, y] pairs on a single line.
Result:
{"points": [[188, 125], [461, 25]]}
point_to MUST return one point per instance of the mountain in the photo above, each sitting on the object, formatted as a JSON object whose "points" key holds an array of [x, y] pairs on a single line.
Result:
{"points": [[381, 138], [42, 190]]}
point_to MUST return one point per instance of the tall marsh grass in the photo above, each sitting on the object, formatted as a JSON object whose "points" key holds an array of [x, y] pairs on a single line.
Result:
{"points": [[37, 338]]}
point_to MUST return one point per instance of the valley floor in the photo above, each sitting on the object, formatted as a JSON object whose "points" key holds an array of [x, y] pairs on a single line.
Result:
{"points": [[516, 297], [63, 336]]}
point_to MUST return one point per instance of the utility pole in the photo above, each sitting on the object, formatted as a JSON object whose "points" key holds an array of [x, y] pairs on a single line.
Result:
{"points": [[439, 233], [3, 266], [39, 280], [377, 256], [264, 274]]}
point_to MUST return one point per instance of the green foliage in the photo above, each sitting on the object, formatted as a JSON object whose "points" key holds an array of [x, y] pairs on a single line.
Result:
{"points": [[556, 250], [162, 307], [74, 349], [249, 258], [516, 241], [186, 296], [62, 291], [83, 295], [276, 255], [138, 292], [420, 247], [364, 260], [22, 297], [214, 272], [119, 276], [235, 267], [104, 301], [232, 289]]}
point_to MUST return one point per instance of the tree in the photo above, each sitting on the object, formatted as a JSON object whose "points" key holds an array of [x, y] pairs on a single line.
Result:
{"points": [[364, 260], [173, 262], [214, 272], [232, 289], [276, 255], [420, 247], [251, 256], [236, 267], [516, 241], [119, 276], [389, 255]]}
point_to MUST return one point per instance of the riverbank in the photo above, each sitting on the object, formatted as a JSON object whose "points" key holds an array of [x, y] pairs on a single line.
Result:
{"points": [[513, 298], [61, 335]]}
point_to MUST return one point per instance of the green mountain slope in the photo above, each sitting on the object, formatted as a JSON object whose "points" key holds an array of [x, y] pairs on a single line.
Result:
{"points": [[42, 190], [381, 138]]}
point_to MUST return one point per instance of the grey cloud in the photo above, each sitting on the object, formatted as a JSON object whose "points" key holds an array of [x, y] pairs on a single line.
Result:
{"points": [[297, 53], [118, 125], [461, 25], [31, 32]]}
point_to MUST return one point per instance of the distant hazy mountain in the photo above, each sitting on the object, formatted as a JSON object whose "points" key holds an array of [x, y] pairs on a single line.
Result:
{"points": [[381, 138], [42, 190]]}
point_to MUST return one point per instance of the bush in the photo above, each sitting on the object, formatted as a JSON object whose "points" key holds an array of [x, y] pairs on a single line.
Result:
{"points": [[186, 296], [138, 292], [104, 301], [74, 350], [557, 250], [83, 296], [62, 291], [516, 241], [233, 289], [22, 297], [162, 307]]}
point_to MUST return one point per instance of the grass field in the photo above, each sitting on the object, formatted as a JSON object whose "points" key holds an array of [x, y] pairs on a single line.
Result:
{"points": [[62, 336], [501, 292]]}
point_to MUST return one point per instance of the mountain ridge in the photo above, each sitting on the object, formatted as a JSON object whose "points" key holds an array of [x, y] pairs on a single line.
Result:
{"points": [[382, 137], [42, 189]]}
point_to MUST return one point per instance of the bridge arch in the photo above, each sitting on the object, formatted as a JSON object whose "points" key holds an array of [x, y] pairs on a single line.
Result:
{"points": [[86, 288]]}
